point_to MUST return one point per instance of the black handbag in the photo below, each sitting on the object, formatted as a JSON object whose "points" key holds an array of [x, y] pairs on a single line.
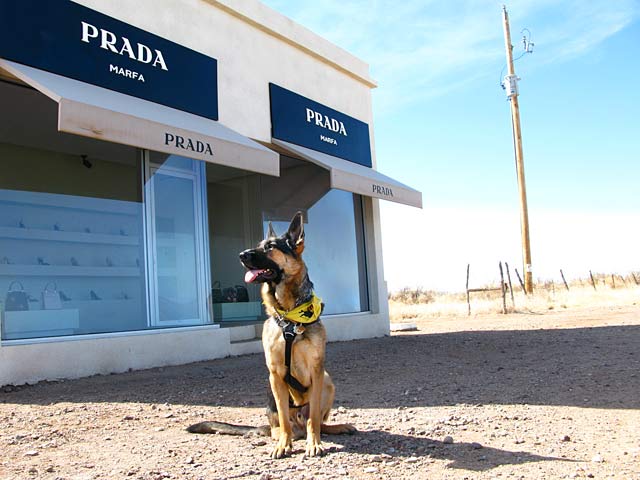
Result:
{"points": [[16, 300], [242, 293], [230, 295], [216, 293]]}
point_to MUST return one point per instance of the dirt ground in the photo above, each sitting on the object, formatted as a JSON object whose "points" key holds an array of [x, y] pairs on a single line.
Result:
{"points": [[525, 396]]}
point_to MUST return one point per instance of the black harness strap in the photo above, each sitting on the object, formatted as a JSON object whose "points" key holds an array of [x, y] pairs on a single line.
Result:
{"points": [[289, 334]]}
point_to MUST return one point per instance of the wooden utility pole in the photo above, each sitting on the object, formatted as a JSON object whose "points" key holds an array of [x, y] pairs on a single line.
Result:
{"points": [[511, 85]]}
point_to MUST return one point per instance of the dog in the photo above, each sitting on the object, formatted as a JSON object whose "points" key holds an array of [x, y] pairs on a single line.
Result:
{"points": [[302, 392]]}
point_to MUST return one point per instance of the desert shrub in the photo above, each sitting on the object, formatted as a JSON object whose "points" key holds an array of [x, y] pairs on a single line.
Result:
{"points": [[413, 296]]}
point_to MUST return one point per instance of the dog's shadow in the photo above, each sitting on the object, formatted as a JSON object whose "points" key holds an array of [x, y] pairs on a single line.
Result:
{"points": [[391, 447]]}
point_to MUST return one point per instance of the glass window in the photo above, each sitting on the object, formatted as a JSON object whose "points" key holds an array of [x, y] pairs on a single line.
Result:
{"points": [[240, 206], [71, 226], [334, 251], [175, 219]]}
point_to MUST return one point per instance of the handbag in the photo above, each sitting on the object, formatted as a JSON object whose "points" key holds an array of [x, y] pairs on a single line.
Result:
{"points": [[230, 295], [242, 293], [16, 300], [216, 293], [51, 298]]}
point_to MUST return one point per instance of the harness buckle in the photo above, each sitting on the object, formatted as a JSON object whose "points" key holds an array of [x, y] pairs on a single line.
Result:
{"points": [[289, 331]]}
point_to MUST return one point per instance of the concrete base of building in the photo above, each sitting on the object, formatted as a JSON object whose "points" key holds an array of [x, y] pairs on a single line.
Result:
{"points": [[75, 357]]}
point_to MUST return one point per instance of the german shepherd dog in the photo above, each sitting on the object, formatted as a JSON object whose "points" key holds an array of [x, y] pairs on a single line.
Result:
{"points": [[302, 403]]}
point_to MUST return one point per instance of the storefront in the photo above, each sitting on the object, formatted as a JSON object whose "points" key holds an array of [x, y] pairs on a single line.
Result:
{"points": [[142, 148]]}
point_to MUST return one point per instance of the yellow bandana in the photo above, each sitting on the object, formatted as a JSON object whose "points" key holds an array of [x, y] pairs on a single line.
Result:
{"points": [[305, 313]]}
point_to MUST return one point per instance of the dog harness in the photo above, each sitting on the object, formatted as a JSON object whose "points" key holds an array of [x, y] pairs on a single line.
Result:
{"points": [[292, 323]]}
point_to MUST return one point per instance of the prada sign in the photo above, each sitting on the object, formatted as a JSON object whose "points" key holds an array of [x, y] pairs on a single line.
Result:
{"points": [[189, 144], [68, 39], [381, 190], [301, 121]]}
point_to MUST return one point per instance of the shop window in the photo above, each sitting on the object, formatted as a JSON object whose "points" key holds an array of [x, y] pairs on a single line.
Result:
{"points": [[71, 227], [241, 204], [176, 232]]}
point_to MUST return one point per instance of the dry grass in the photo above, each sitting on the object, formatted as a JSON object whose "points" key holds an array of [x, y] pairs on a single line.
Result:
{"points": [[410, 304]]}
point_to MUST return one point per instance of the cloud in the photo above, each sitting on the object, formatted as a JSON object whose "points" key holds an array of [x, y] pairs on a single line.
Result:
{"points": [[419, 49]]}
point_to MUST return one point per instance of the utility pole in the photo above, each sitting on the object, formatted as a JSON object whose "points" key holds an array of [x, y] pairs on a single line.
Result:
{"points": [[511, 86]]}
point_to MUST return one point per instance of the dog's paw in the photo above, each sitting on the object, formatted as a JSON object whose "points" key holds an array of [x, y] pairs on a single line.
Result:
{"points": [[314, 450], [282, 449]]}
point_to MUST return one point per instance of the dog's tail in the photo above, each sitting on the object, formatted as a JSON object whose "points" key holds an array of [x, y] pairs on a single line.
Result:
{"points": [[228, 429], [338, 429]]}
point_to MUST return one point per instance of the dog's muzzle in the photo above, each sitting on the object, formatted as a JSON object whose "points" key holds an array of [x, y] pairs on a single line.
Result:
{"points": [[259, 267]]}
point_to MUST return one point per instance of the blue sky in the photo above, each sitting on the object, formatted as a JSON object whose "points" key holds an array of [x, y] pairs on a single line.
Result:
{"points": [[442, 125]]}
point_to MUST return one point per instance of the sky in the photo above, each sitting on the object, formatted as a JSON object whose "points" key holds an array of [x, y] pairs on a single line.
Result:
{"points": [[442, 125]]}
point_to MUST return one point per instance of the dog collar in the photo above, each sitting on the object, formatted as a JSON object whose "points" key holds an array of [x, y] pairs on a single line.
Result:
{"points": [[305, 314]]}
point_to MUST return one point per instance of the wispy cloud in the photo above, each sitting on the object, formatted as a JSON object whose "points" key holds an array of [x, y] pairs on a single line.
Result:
{"points": [[419, 49]]}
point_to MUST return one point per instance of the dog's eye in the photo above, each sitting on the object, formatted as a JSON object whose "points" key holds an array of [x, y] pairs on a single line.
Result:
{"points": [[268, 246]]}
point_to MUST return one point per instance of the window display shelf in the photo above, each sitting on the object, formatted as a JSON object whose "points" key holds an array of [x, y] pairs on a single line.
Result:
{"points": [[68, 271], [237, 311], [62, 236], [32, 321], [71, 202]]}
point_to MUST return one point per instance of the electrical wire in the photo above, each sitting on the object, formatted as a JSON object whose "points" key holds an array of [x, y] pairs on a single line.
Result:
{"points": [[527, 42]]}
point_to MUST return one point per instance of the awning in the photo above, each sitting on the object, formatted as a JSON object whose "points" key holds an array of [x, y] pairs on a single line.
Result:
{"points": [[96, 112], [356, 178]]}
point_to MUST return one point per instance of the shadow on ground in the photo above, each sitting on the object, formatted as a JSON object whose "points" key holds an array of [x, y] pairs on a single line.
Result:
{"points": [[466, 456], [585, 367]]}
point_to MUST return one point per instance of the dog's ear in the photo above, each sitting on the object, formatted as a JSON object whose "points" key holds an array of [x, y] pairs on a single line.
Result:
{"points": [[271, 232], [295, 233]]}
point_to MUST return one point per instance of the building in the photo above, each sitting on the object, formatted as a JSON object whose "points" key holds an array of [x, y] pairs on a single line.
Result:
{"points": [[142, 147]]}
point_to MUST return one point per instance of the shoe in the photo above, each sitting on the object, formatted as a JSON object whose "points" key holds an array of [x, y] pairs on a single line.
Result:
{"points": [[63, 296], [122, 232], [21, 224], [42, 262], [56, 227], [87, 230], [5, 261], [109, 262], [94, 295], [74, 262], [125, 296]]}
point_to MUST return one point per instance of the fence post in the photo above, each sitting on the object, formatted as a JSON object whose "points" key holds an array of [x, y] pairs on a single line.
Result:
{"points": [[593, 282], [520, 280], [513, 302], [563, 280], [635, 279], [613, 281], [468, 301], [504, 296]]}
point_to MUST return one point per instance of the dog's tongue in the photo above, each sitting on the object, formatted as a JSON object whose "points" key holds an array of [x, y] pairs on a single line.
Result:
{"points": [[251, 275]]}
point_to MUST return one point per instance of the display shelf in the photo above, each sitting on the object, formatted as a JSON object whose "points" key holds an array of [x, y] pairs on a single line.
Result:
{"points": [[71, 202], [236, 310], [68, 271], [62, 236], [31, 321], [102, 302]]}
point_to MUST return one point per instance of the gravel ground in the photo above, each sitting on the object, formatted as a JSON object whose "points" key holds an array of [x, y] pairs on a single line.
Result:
{"points": [[555, 395]]}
